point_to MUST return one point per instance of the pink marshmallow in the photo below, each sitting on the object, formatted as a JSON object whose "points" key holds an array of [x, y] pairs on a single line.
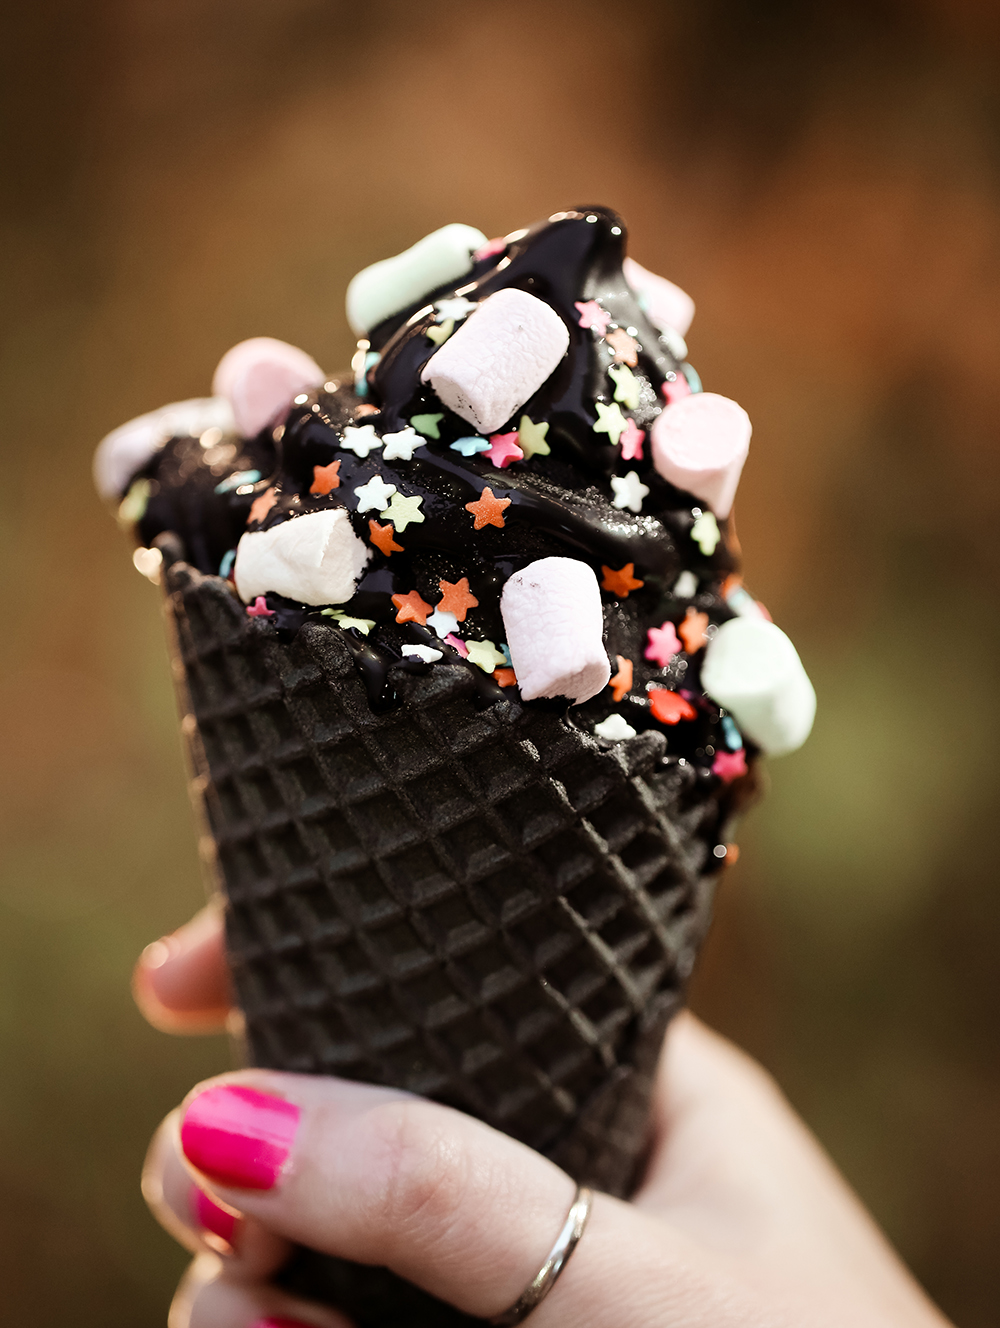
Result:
{"points": [[554, 621], [261, 377], [666, 305], [700, 444], [498, 358]]}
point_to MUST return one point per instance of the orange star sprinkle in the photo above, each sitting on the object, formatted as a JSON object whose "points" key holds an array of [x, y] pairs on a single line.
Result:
{"points": [[505, 677], [260, 507], [456, 598], [412, 608], [668, 707], [325, 478], [620, 582], [624, 346], [488, 510], [692, 630], [621, 683], [382, 537]]}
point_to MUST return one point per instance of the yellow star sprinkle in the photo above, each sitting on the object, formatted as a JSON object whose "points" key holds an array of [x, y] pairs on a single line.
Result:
{"points": [[626, 385], [402, 512], [485, 654], [531, 438], [611, 420]]}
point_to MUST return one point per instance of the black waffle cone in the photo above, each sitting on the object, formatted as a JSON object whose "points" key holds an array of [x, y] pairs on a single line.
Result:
{"points": [[486, 906]]}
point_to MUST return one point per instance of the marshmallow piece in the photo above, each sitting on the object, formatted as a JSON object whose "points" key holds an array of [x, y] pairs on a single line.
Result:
{"points": [[261, 377], [555, 630], [666, 306], [128, 448], [314, 559], [700, 444], [498, 358], [379, 291], [753, 670]]}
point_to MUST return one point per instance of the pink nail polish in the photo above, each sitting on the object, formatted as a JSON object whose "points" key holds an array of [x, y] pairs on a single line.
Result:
{"points": [[239, 1136], [210, 1217], [278, 1323]]}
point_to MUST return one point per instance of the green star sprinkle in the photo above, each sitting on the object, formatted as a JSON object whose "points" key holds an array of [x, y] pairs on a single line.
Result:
{"points": [[626, 385], [362, 624], [441, 332], [133, 505], [531, 438], [486, 655], [705, 533], [403, 511], [428, 425], [611, 420]]}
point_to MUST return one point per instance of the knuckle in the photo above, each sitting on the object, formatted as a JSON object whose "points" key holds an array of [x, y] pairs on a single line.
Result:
{"points": [[424, 1171]]}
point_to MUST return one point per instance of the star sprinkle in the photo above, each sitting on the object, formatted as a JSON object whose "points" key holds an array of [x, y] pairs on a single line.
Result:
{"points": [[442, 624], [610, 420], [662, 644], [226, 566], [485, 654], [412, 608], [592, 316], [133, 505], [686, 585], [620, 582], [531, 438], [403, 511], [629, 491], [425, 653], [440, 333], [730, 765], [490, 248], [626, 385], [705, 533], [259, 609], [488, 510], [375, 494], [427, 424], [668, 707], [382, 537], [631, 441], [470, 446], [363, 625], [240, 478], [260, 507], [621, 683], [400, 446], [456, 598], [455, 309], [615, 728], [505, 677], [503, 449], [692, 630], [626, 348], [325, 478], [675, 388], [361, 439], [731, 734], [458, 644]]}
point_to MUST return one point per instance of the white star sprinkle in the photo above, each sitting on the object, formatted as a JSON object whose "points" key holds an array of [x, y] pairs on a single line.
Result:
{"points": [[616, 727], [458, 307], [400, 446], [442, 623], [686, 586], [361, 439], [427, 653], [374, 495], [629, 491]]}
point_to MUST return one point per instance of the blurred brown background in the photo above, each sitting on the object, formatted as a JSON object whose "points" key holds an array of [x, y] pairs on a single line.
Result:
{"points": [[825, 179]]}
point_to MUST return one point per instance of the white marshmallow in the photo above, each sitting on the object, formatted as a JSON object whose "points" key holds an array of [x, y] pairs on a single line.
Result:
{"points": [[314, 559], [666, 306], [555, 630], [379, 291], [127, 449], [753, 670], [261, 377], [700, 444], [498, 358]]}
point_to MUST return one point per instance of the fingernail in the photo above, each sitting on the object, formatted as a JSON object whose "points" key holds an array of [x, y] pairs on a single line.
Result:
{"points": [[211, 1218], [239, 1136]]}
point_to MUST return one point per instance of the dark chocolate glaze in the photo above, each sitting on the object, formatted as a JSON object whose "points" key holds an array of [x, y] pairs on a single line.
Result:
{"points": [[560, 504]]}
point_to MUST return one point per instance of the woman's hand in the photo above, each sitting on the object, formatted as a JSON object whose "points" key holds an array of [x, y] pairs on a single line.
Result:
{"points": [[741, 1222]]}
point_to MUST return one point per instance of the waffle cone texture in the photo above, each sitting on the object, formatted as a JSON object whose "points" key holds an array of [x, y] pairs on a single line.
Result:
{"points": [[486, 906]]}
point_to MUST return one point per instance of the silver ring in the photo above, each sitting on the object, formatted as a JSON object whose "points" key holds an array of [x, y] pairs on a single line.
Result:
{"points": [[545, 1279]]}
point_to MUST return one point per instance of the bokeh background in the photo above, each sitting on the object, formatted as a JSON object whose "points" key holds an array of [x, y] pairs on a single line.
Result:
{"points": [[825, 178]]}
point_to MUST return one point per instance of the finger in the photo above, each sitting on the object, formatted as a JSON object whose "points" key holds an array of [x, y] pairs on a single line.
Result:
{"points": [[181, 982], [379, 1177], [206, 1298]]}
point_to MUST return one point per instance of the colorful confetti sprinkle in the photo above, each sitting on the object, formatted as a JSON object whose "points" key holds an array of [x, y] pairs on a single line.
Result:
{"points": [[428, 424], [692, 630], [662, 644], [531, 438], [412, 608], [470, 446], [374, 495], [621, 682], [401, 446], [610, 420], [626, 385], [615, 728], [484, 654], [382, 537], [361, 439], [631, 441], [259, 609], [403, 511], [592, 316], [325, 478], [730, 765], [236, 481], [626, 348], [488, 510], [620, 582], [456, 598], [503, 449], [260, 507], [668, 707], [705, 533], [439, 333], [629, 491]]}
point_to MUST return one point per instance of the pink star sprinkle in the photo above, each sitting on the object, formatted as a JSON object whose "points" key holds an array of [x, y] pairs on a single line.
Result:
{"points": [[259, 609], [663, 644], [490, 248], [593, 316], [503, 449], [730, 765], [677, 389], [456, 643], [631, 441]]}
